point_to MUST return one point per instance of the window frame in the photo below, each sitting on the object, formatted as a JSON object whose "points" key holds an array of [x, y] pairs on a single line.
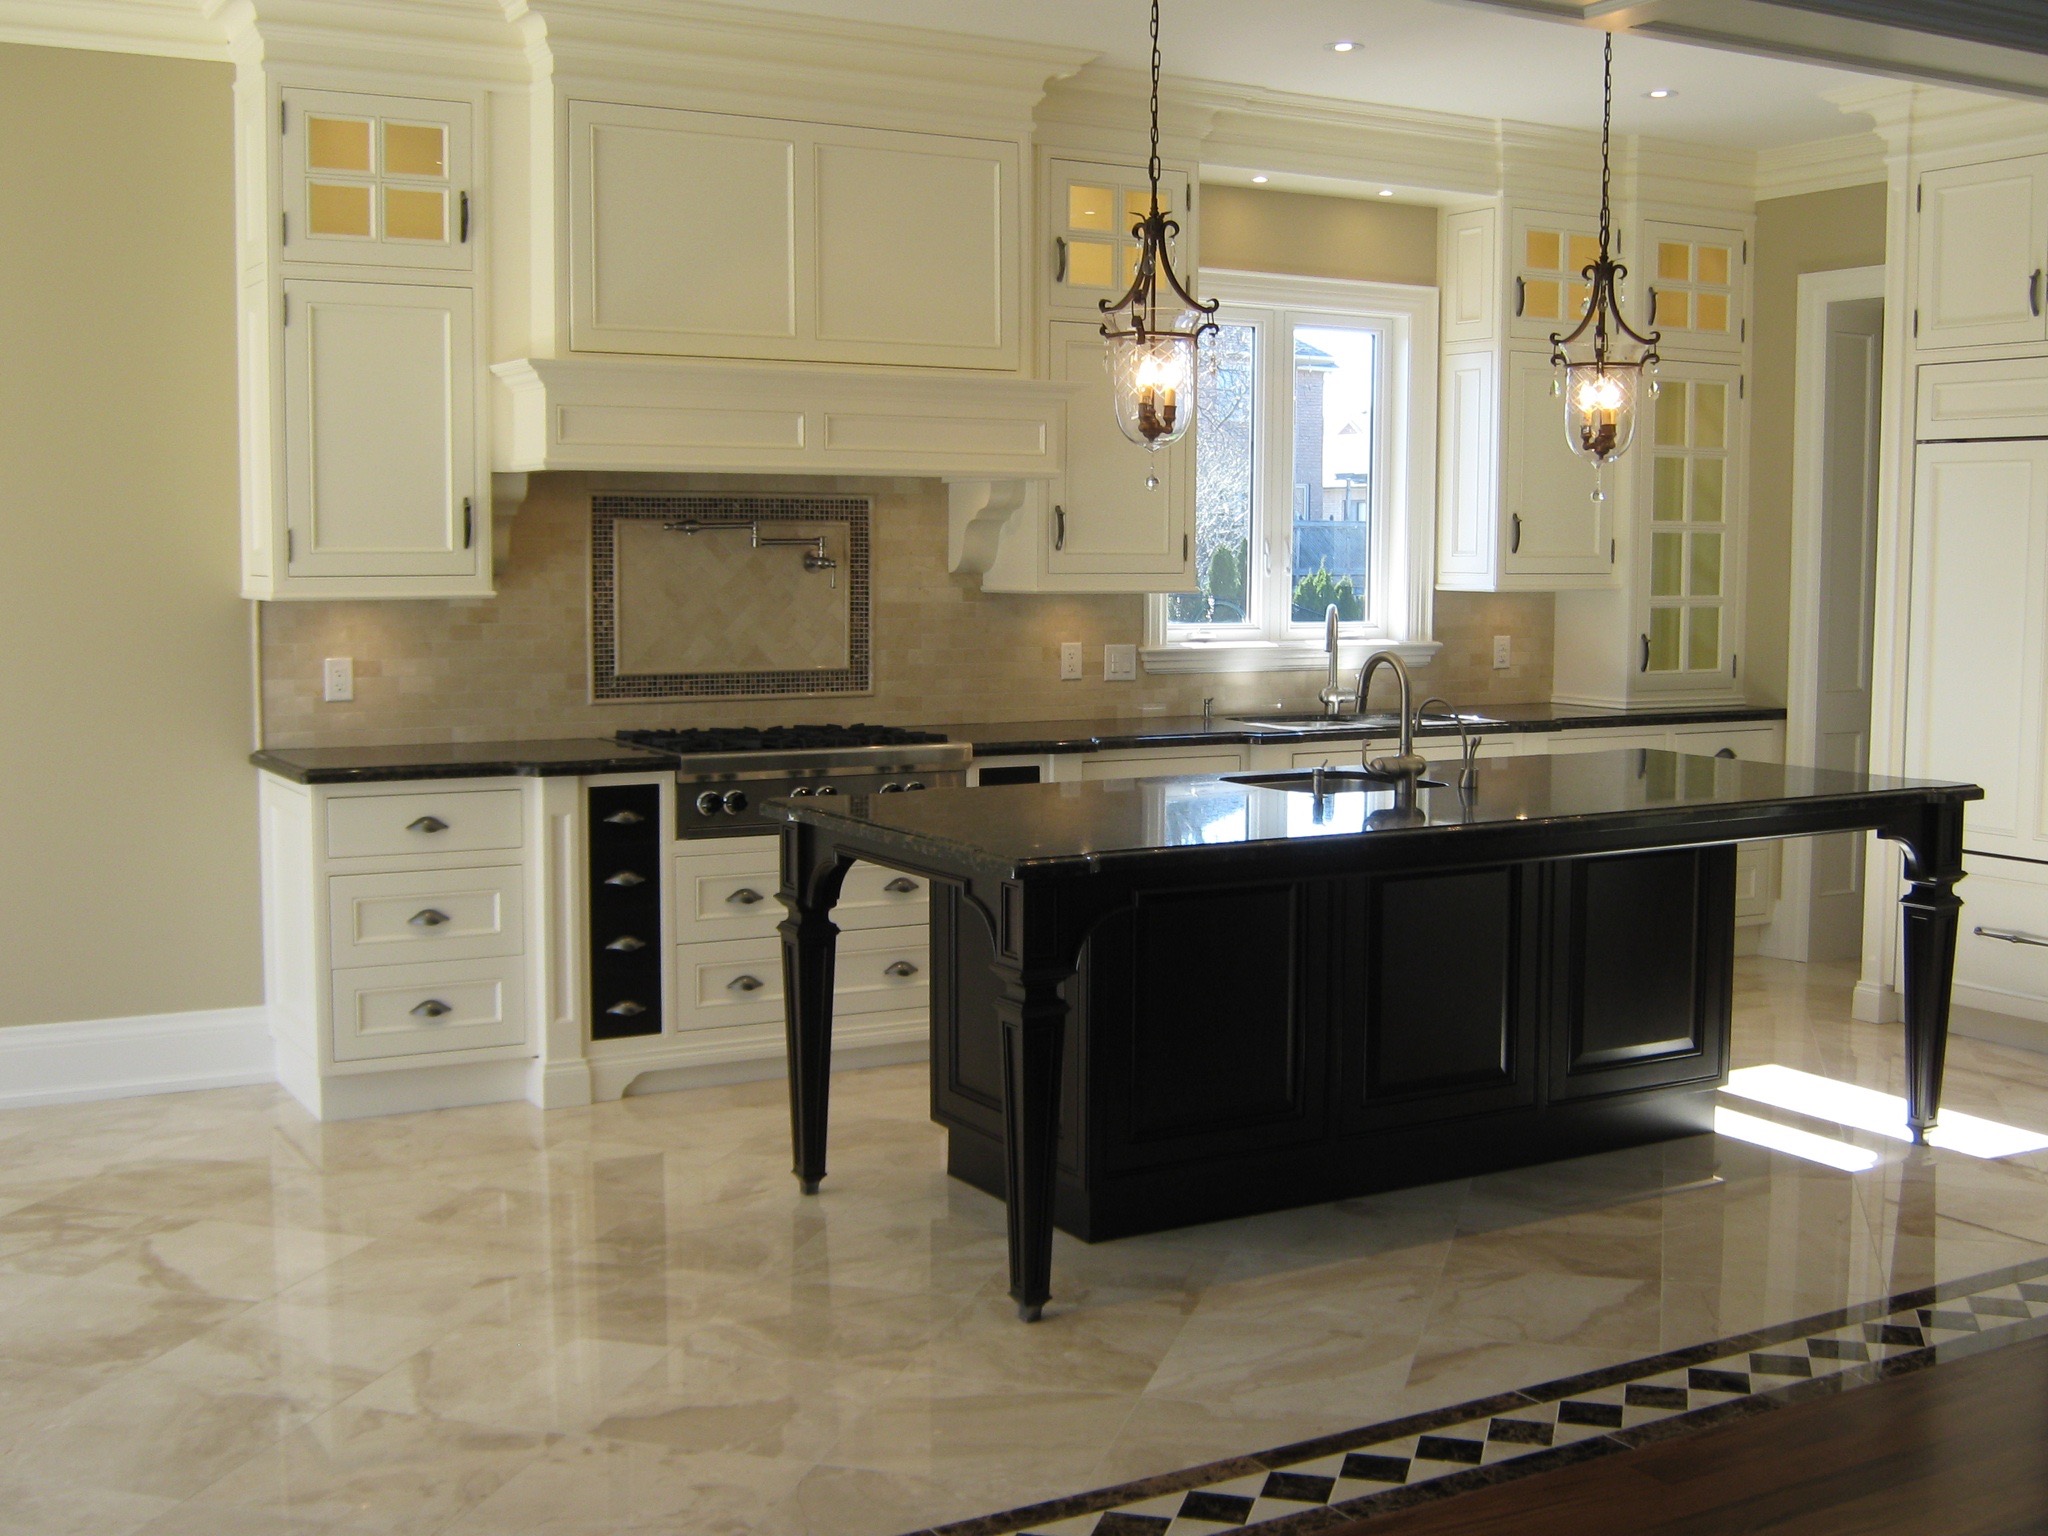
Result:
{"points": [[1401, 607]]}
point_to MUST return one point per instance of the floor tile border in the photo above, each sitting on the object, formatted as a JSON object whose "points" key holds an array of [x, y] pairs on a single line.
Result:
{"points": [[1121, 1497]]}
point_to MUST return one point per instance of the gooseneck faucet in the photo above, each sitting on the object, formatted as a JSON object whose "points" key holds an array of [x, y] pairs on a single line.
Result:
{"points": [[1405, 765], [1333, 698]]}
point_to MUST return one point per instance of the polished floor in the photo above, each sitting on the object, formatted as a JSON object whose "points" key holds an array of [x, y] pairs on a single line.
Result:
{"points": [[219, 1317]]}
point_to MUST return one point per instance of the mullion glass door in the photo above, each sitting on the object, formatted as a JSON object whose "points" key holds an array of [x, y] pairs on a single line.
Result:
{"points": [[1691, 491]]}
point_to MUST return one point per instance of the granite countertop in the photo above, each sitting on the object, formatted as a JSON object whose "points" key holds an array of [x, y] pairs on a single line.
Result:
{"points": [[1031, 738], [459, 760], [1007, 829]]}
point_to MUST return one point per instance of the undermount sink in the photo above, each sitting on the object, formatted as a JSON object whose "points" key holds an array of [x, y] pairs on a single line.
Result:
{"points": [[1326, 781], [1383, 720]]}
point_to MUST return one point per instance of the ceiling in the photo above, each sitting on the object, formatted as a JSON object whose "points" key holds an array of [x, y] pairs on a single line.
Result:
{"points": [[1431, 54]]}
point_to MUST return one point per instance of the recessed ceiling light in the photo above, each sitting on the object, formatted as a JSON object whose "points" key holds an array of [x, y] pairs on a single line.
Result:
{"points": [[1258, 181], [1660, 94], [1342, 45]]}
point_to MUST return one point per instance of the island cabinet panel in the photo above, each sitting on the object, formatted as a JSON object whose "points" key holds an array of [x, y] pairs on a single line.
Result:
{"points": [[1437, 1002], [1644, 949]]}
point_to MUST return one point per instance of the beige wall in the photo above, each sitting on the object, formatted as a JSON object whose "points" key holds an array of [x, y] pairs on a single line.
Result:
{"points": [[1820, 232], [1255, 229], [127, 814]]}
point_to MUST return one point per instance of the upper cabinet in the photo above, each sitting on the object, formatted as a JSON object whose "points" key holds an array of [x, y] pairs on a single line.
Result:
{"points": [[1548, 254], [1698, 287], [1690, 480], [374, 180], [1089, 211], [1983, 246], [705, 235]]}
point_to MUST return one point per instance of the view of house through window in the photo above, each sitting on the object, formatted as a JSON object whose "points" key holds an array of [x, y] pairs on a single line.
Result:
{"points": [[1287, 501]]}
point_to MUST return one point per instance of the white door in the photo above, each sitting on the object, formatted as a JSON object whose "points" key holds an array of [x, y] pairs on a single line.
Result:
{"points": [[376, 180], [1090, 210], [1106, 520], [1983, 244], [380, 441], [1548, 254], [1977, 625], [1689, 499], [1698, 282], [1554, 527], [1847, 575]]}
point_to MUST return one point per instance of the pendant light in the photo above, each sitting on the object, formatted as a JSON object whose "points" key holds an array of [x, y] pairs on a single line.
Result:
{"points": [[1602, 386], [1152, 332]]}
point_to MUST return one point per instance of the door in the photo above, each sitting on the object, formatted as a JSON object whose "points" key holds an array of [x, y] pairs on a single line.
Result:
{"points": [[1089, 213], [1847, 577], [1554, 527], [1548, 254], [1690, 496], [1977, 623], [1106, 520], [380, 440], [1698, 280], [1983, 242], [375, 180]]}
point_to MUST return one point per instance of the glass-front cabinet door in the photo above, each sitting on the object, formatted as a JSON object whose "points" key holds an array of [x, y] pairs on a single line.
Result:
{"points": [[1088, 218], [1689, 521], [1548, 254], [375, 180], [1698, 286]]}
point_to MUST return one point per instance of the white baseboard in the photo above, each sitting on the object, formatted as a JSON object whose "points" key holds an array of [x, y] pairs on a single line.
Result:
{"points": [[1874, 1003], [125, 1058]]}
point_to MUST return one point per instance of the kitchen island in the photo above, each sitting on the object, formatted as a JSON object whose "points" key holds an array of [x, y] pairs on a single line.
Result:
{"points": [[1268, 990]]}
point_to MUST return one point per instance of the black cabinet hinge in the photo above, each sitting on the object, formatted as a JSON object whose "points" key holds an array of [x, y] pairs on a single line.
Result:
{"points": [[285, 309], [1916, 322], [1742, 386], [284, 120], [1610, 551], [1919, 197], [1183, 549], [284, 229], [291, 546]]}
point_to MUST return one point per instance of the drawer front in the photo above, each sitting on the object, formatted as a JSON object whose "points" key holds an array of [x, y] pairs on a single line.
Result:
{"points": [[1982, 400], [1752, 744], [727, 895], [1563, 743], [438, 914], [882, 969], [1154, 765], [740, 982], [444, 821], [875, 897], [417, 1010], [2003, 945]]}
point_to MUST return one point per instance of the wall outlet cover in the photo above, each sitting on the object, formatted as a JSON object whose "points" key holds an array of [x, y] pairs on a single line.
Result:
{"points": [[338, 680], [1119, 663], [1501, 661], [1070, 661]]}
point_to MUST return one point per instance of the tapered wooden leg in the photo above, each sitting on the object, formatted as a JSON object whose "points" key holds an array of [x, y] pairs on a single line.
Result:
{"points": [[1034, 1024], [810, 885], [1934, 864]]}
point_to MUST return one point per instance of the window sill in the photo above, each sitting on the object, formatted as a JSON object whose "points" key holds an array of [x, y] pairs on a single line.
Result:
{"points": [[1277, 655]]}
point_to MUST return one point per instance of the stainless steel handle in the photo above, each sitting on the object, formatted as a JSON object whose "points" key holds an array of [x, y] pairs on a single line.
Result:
{"points": [[624, 819], [899, 968], [1059, 538], [625, 877], [745, 896], [627, 1008], [432, 1008], [744, 984], [1514, 533], [426, 824], [1059, 243], [902, 885], [2011, 936], [427, 917], [1518, 296], [1644, 664]]}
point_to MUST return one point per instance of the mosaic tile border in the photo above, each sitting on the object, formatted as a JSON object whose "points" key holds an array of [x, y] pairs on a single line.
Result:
{"points": [[1322, 1484], [612, 507]]}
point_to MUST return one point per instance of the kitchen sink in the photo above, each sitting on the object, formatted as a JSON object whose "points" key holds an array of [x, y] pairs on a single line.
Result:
{"points": [[1383, 720], [1326, 781]]}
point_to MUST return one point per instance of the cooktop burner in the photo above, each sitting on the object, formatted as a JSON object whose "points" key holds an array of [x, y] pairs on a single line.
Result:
{"points": [[778, 738]]}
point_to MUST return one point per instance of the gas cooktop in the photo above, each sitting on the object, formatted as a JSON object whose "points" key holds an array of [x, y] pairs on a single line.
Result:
{"points": [[777, 738]]}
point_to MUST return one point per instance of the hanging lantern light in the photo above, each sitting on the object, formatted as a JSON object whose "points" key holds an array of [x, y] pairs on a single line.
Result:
{"points": [[1602, 386], [1152, 332]]}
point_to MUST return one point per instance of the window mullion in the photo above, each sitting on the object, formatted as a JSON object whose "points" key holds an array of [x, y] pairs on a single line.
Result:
{"points": [[1276, 484]]}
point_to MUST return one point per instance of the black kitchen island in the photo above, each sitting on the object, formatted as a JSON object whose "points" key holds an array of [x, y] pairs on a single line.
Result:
{"points": [[1164, 1001]]}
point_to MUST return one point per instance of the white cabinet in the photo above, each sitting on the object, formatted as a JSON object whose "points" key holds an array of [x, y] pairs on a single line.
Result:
{"points": [[1548, 253], [1163, 762], [1983, 245], [380, 449], [1470, 286], [375, 180], [705, 234], [1697, 278], [1554, 527], [1089, 210]]}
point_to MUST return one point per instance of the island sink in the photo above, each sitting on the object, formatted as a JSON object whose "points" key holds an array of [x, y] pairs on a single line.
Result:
{"points": [[1330, 781]]}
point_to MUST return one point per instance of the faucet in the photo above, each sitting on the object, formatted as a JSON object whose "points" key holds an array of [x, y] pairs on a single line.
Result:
{"points": [[1468, 744], [1405, 765], [1334, 698]]}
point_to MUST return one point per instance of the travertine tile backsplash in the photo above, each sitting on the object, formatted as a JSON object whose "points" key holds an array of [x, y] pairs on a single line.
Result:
{"points": [[518, 665]]}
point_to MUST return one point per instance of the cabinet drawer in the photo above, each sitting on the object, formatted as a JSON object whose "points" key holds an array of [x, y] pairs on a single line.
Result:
{"points": [[877, 897], [881, 969], [416, 1010], [2003, 945], [439, 914], [442, 821], [727, 895], [1752, 744], [740, 981], [1976, 400], [1153, 765]]}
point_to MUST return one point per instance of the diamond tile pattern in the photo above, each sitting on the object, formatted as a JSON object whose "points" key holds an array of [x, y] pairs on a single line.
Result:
{"points": [[1544, 1425]]}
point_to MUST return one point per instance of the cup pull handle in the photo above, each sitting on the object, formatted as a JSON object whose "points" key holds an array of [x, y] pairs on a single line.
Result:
{"points": [[899, 968], [432, 1008], [428, 917], [625, 819], [627, 1008], [902, 885], [744, 984], [426, 824], [625, 944], [625, 877], [745, 896], [1727, 752]]}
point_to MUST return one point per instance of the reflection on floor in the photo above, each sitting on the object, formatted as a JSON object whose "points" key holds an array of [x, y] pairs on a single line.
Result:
{"points": [[217, 1317]]}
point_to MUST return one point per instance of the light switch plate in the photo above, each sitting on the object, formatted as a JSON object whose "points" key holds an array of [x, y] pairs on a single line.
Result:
{"points": [[1070, 661], [1500, 653], [338, 680], [1119, 663]]}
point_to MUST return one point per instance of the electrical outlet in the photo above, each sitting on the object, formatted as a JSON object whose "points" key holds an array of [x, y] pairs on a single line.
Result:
{"points": [[338, 680], [1119, 663], [1070, 661], [1500, 653]]}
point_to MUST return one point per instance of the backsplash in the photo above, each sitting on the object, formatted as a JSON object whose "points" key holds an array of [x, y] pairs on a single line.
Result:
{"points": [[518, 665]]}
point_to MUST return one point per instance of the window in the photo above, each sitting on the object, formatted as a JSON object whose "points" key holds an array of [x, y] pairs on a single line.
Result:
{"points": [[1314, 475]]}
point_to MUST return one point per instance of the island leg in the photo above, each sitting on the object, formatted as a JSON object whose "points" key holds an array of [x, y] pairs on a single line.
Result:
{"points": [[811, 878], [1033, 1016], [1934, 863]]}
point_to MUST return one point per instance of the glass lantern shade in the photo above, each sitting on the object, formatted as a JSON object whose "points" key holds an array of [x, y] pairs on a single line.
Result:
{"points": [[1600, 402], [1152, 377]]}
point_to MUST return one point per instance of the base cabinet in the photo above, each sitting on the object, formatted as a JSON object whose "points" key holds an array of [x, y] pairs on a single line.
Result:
{"points": [[1368, 1033]]}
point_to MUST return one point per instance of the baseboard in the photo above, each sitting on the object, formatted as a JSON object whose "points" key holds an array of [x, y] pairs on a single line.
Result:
{"points": [[125, 1058], [746, 1054], [1874, 1003]]}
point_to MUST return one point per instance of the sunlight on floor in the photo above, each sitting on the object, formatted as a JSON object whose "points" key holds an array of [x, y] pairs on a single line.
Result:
{"points": [[1866, 1109], [1786, 1138]]}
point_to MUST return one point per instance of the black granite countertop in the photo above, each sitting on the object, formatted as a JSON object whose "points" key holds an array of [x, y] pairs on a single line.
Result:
{"points": [[1031, 738], [1008, 829], [459, 760]]}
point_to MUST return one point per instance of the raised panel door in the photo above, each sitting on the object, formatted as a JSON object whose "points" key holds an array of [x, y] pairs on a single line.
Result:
{"points": [[1471, 293], [376, 180], [1469, 500], [380, 442], [1983, 243], [1553, 524]]}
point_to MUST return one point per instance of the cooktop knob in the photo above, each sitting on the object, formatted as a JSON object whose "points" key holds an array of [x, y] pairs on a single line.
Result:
{"points": [[827, 789], [799, 791], [709, 803], [735, 801]]}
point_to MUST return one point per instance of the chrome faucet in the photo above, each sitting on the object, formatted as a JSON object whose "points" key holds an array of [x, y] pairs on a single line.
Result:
{"points": [[1468, 744], [1405, 764], [1333, 698]]}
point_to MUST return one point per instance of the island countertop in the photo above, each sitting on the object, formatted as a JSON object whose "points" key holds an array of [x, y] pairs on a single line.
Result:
{"points": [[1008, 830]]}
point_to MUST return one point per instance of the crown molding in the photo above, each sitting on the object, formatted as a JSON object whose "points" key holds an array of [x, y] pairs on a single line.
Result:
{"points": [[1820, 165], [1937, 121], [442, 40], [176, 29]]}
